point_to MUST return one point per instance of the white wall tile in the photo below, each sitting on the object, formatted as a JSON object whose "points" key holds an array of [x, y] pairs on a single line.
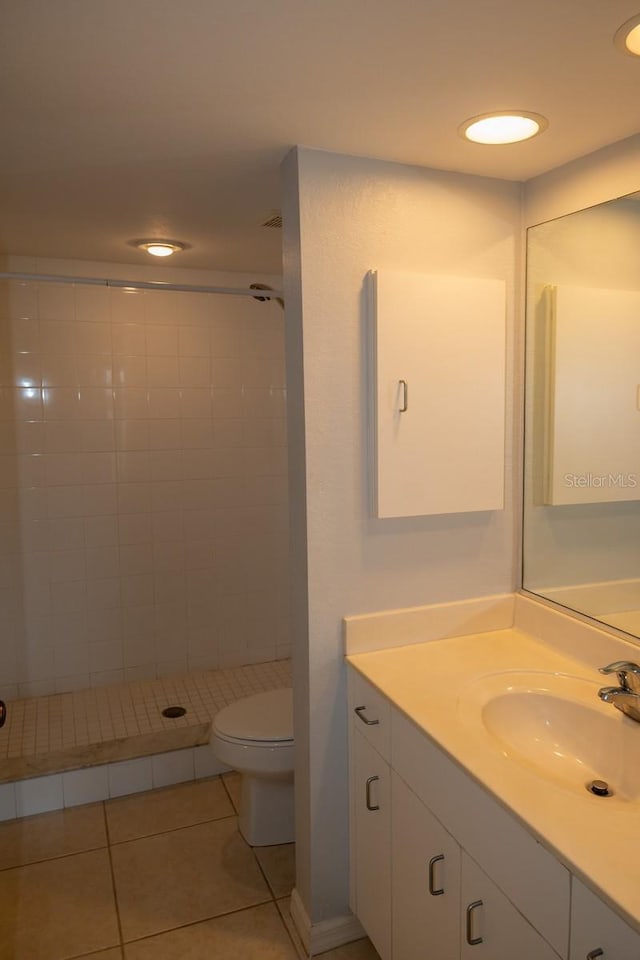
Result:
{"points": [[133, 470], [128, 339], [58, 371], [127, 306], [174, 767], [193, 341], [161, 340], [7, 801], [56, 301], [130, 776], [23, 300], [129, 371], [93, 338], [39, 795], [103, 594], [93, 304], [85, 786], [163, 372], [206, 763], [57, 337], [164, 403], [106, 678], [94, 371]]}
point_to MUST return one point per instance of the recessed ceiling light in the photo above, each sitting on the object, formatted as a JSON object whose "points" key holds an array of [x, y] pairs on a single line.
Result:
{"points": [[159, 248], [627, 37], [503, 127]]}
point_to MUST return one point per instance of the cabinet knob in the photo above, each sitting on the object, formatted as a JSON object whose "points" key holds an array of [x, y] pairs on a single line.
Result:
{"points": [[359, 712], [471, 940], [432, 887], [371, 806], [593, 954]]}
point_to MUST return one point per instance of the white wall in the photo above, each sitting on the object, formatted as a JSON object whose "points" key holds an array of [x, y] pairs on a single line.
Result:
{"points": [[599, 176], [143, 489], [343, 216]]}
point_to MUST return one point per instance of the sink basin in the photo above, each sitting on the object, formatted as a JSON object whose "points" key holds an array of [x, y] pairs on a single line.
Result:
{"points": [[555, 725]]}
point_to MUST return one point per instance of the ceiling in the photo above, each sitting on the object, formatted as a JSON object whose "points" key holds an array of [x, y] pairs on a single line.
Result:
{"points": [[134, 118]]}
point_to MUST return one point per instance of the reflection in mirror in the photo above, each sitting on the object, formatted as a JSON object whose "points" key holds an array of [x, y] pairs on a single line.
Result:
{"points": [[581, 544]]}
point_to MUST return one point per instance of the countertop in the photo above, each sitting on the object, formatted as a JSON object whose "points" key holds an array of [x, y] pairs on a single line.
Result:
{"points": [[435, 685]]}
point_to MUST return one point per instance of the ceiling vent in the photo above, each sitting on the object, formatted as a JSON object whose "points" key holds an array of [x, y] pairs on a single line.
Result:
{"points": [[273, 220]]}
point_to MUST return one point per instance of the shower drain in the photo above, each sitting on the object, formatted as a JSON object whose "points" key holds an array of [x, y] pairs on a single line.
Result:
{"points": [[174, 712]]}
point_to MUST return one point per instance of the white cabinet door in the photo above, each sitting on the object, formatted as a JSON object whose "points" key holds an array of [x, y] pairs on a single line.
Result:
{"points": [[425, 872], [595, 927], [439, 393], [372, 823], [493, 928]]}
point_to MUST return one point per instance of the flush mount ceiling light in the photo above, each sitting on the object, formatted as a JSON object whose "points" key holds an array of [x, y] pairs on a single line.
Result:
{"points": [[627, 37], [159, 248], [508, 126]]}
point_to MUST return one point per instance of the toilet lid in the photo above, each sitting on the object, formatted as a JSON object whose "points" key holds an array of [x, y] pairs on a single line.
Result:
{"points": [[264, 716]]}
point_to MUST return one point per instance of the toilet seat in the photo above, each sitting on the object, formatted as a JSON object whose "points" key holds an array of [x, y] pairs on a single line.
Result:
{"points": [[262, 719]]}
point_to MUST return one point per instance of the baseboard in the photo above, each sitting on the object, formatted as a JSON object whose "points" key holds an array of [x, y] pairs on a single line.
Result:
{"points": [[327, 934]]}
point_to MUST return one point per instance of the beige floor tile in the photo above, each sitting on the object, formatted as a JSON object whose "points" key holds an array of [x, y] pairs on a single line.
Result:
{"points": [[184, 876], [232, 782], [50, 835], [114, 954], [157, 811], [279, 866], [57, 909], [255, 934], [357, 950], [284, 906]]}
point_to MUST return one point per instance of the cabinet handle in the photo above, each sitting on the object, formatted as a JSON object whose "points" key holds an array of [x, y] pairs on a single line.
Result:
{"points": [[472, 941], [432, 864], [371, 806], [360, 712], [595, 953], [405, 396]]}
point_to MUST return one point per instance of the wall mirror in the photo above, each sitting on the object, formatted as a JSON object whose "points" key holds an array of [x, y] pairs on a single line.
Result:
{"points": [[581, 545]]}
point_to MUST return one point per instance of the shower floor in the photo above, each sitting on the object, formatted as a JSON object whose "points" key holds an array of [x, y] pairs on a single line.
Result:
{"points": [[67, 731]]}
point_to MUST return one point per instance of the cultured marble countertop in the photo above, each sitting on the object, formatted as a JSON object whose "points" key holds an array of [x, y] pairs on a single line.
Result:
{"points": [[436, 686]]}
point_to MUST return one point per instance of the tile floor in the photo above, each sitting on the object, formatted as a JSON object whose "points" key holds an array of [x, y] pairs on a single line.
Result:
{"points": [[163, 875]]}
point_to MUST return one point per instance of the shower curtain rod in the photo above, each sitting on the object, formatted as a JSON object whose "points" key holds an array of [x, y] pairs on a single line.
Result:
{"points": [[258, 293]]}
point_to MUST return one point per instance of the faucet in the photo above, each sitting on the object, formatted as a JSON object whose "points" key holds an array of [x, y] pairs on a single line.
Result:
{"points": [[626, 697]]}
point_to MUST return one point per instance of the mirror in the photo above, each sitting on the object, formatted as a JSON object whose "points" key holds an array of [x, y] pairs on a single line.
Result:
{"points": [[581, 543]]}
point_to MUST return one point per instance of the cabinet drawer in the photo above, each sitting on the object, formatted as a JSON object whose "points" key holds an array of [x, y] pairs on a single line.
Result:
{"points": [[595, 927], [528, 874], [370, 713]]}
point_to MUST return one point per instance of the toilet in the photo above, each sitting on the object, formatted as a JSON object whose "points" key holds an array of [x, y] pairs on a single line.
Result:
{"points": [[254, 735]]}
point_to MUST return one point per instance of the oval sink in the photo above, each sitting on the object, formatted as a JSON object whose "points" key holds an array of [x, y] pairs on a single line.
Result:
{"points": [[556, 726]]}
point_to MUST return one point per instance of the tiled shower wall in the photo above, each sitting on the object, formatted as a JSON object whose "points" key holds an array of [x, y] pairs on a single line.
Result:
{"points": [[143, 518]]}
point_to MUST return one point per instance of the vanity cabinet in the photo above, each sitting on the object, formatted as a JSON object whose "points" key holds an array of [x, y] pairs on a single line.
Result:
{"points": [[404, 853], [443, 905], [433, 828], [594, 927]]}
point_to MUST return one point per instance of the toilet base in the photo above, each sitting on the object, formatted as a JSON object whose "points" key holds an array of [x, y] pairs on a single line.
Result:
{"points": [[266, 810]]}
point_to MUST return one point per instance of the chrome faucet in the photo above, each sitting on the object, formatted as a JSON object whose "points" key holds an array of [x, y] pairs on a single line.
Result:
{"points": [[626, 697]]}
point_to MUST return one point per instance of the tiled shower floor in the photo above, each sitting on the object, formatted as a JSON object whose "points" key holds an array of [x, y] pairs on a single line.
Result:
{"points": [[104, 724], [162, 875]]}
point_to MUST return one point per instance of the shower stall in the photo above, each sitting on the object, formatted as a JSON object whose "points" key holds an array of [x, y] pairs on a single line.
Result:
{"points": [[143, 489]]}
